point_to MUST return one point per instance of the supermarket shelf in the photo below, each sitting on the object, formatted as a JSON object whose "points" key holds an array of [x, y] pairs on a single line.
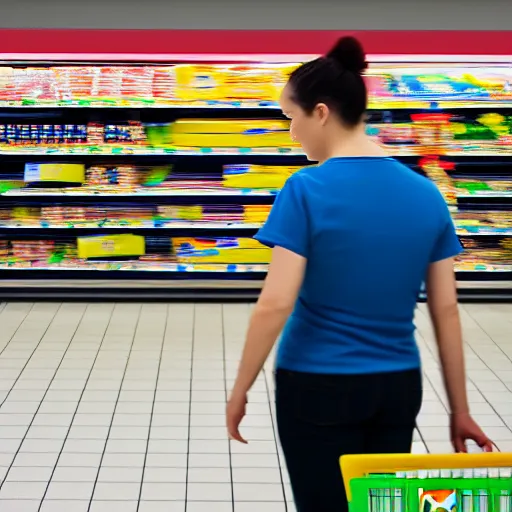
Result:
{"points": [[81, 287], [140, 285], [143, 151], [119, 270], [116, 269], [491, 275], [132, 283], [176, 228], [213, 229], [147, 151], [486, 196], [397, 103], [481, 203], [481, 291], [485, 232], [137, 193], [161, 197], [69, 288], [437, 105], [398, 100], [153, 104]]}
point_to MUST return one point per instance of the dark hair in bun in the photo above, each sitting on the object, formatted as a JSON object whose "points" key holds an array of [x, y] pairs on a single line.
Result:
{"points": [[349, 54], [335, 80]]}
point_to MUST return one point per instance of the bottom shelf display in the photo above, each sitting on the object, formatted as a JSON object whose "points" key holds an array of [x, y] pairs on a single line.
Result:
{"points": [[187, 254], [134, 252], [485, 254]]}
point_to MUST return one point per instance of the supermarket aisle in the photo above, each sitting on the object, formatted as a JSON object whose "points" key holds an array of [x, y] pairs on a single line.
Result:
{"points": [[120, 407]]}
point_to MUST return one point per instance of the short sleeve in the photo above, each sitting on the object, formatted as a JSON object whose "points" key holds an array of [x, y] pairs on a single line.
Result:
{"points": [[447, 244], [287, 225]]}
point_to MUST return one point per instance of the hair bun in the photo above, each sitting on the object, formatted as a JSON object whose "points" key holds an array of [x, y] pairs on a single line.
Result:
{"points": [[348, 52]]}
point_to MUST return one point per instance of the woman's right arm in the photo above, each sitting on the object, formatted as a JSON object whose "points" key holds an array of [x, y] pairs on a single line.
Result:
{"points": [[444, 312]]}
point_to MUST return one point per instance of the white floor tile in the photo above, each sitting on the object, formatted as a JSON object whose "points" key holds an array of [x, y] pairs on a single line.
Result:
{"points": [[64, 506], [163, 506], [106, 405], [113, 506], [20, 505]]}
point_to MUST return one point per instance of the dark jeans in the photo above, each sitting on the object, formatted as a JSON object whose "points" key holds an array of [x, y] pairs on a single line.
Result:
{"points": [[321, 417]]}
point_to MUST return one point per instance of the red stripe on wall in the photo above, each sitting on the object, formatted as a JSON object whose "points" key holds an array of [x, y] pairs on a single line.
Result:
{"points": [[300, 42]]}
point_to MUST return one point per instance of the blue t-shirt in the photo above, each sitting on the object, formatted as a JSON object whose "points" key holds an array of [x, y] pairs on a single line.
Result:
{"points": [[369, 228]]}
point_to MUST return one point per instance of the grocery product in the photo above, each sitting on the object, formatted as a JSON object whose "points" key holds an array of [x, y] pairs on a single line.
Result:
{"points": [[234, 133], [173, 167], [220, 250]]}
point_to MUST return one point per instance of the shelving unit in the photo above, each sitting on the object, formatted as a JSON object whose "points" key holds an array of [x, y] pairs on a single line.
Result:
{"points": [[155, 206]]}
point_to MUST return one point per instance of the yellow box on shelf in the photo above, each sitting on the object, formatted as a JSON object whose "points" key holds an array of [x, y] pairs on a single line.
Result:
{"points": [[251, 243], [26, 214], [229, 126], [257, 176], [111, 245], [191, 213], [68, 173], [271, 181], [284, 170], [256, 214], [195, 82], [233, 140]]}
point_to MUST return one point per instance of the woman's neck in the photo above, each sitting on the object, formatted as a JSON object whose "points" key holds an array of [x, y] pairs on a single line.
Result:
{"points": [[352, 143]]}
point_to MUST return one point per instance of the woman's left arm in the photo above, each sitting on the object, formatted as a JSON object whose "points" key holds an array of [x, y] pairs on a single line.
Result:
{"points": [[276, 302]]}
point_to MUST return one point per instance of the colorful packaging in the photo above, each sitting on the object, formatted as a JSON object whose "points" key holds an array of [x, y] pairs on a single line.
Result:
{"points": [[225, 83], [111, 246]]}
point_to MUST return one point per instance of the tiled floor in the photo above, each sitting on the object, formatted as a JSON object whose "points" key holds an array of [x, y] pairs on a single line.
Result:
{"points": [[120, 407]]}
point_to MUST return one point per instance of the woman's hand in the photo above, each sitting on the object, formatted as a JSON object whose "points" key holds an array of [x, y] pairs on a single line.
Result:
{"points": [[235, 412], [464, 427]]}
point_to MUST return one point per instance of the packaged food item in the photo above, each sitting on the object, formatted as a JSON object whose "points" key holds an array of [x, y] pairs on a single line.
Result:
{"points": [[227, 83], [220, 250], [75, 84], [250, 176], [445, 500], [59, 172], [108, 246], [164, 84], [231, 133], [438, 171]]}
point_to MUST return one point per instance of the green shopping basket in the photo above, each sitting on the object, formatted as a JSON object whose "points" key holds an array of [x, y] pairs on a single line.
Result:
{"points": [[428, 483]]}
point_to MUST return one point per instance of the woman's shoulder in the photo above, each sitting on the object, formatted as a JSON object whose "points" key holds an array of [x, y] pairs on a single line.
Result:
{"points": [[300, 177]]}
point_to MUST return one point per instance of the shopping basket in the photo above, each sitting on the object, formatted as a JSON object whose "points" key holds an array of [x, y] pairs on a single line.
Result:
{"points": [[429, 483]]}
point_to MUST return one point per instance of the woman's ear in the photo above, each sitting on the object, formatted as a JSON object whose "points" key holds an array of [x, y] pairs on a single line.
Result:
{"points": [[322, 112]]}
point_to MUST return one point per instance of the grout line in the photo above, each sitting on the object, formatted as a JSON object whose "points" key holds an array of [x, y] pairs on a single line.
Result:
{"points": [[2, 308], [49, 384], [79, 402], [273, 420], [490, 337], [193, 337], [117, 403], [490, 369], [45, 393], [36, 347], [191, 389], [467, 373], [166, 325], [425, 376], [226, 391]]}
